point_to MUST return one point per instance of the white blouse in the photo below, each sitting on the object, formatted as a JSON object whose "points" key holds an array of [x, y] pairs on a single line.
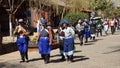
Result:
{"points": [[69, 32]]}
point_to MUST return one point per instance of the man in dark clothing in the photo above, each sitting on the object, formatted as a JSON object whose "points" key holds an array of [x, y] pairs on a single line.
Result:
{"points": [[80, 31], [99, 27]]}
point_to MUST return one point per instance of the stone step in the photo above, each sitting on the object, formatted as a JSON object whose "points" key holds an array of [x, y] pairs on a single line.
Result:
{"points": [[8, 39]]}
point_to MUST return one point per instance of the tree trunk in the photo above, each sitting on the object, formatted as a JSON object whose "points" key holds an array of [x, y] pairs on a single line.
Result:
{"points": [[63, 13], [10, 24]]}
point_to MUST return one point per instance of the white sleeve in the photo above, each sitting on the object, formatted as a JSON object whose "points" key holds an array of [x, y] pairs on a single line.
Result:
{"points": [[73, 32]]}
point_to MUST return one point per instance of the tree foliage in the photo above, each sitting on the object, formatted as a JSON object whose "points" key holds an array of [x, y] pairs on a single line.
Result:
{"points": [[103, 7], [117, 12], [73, 17]]}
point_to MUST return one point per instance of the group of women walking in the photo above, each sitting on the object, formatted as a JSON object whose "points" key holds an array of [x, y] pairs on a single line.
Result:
{"points": [[45, 40], [85, 29]]}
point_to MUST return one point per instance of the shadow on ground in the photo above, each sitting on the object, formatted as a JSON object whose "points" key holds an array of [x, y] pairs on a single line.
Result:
{"points": [[76, 59], [80, 58], [118, 50], [76, 51], [95, 40], [90, 42], [8, 65], [35, 59], [8, 48]]}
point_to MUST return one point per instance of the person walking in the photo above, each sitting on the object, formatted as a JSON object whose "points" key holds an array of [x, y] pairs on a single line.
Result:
{"points": [[44, 40], [22, 40], [86, 30], [68, 41], [93, 29], [105, 25], [99, 27], [112, 25], [80, 31], [61, 36]]}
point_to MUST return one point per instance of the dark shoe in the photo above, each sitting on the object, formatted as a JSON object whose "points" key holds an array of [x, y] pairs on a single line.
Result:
{"points": [[85, 41], [93, 38], [90, 38], [27, 61], [81, 43], [71, 60], [68, 58], [46, 62], [42, 56], [62, 59], [22, 61]]}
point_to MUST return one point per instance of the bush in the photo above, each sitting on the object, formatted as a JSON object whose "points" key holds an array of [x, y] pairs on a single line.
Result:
{"points": [[73, 17]]}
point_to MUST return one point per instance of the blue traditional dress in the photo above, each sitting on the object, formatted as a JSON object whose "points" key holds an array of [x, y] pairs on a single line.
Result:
{"points": [[22, 40], [22, 43], [69, 41], [44, 47], [86, 33], [68, 48], [86, 30], [44, 42]]}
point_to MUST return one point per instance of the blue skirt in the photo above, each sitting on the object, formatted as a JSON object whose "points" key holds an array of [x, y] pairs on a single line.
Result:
{"points": [[22, 44], [68, 46], [87, 33], [43, 45]]}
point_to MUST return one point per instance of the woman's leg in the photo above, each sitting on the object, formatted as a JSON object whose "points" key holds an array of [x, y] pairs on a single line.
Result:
{"points": [[22, 57], [47, 58], [61, 49], [26, 56]]}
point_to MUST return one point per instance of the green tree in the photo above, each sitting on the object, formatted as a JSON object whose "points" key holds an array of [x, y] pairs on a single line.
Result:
{"points": [[103, 7], [73, 17], [73, 6], [117, 12]]}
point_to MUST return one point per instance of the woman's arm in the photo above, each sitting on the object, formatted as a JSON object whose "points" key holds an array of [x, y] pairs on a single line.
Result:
{"points": [[50, 35], [16, 30], [26, 32], [38, 36]]}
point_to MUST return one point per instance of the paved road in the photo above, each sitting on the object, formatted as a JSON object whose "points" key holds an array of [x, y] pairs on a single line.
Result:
{"points": [[102, 53]]}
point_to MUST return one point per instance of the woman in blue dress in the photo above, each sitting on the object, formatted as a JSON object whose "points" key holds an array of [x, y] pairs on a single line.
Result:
{"points": [[68, 48], [22, 43], [86, 30], [22, 40], [44, 41]]}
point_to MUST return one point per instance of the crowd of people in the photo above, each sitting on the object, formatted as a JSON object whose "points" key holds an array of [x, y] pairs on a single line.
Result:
{"points": [[66, 35]]}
